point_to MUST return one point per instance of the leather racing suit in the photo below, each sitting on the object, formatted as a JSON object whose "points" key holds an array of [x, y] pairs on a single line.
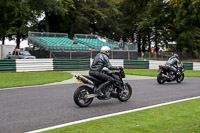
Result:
{"points": [[100, 61], [172, 63]]}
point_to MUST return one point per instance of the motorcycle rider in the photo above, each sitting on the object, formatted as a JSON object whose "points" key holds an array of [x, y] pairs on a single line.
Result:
{"points": [[172, 62], [100, 61]]}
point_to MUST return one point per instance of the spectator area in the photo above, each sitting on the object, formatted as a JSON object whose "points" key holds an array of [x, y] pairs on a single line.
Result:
{"points": [[60, 41], [57, 43], [95, 43]]}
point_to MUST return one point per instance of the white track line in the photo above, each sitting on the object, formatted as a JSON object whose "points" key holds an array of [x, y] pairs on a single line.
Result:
{"points": [[109, 115], [50, 84], [34, 86], [14, 88]]}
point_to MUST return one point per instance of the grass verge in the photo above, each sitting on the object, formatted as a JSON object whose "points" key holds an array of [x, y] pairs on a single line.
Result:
{"points": [[154, 73], [175, 118], [13, 79]]}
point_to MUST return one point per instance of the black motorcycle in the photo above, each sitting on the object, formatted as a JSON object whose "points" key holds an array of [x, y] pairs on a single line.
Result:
{"points": [[166, 74], [83, 96]]}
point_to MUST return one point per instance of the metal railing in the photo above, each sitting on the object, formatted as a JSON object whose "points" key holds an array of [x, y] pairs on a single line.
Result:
{"points": [[46, 34]]}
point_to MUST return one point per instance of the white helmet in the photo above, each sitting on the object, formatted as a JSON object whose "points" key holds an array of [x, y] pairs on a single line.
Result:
{"points": [[176, 55], [105, 50]]}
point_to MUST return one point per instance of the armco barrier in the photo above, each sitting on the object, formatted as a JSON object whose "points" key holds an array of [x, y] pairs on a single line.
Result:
{"points": [[155, 64], [7, 66], [196, 66], [25, 65], [113, 62], [21, 65], [70, 65], [135, 64], [188, 65]]}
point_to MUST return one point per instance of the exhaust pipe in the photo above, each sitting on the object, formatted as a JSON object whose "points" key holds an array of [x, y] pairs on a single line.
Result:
{"points": [[84, 79], [165, 76]]}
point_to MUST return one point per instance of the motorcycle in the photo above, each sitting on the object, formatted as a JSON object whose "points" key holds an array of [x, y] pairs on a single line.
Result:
{"points": [[166, 74], [84, 95]]}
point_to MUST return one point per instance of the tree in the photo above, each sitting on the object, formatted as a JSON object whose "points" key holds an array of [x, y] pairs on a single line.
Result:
{"points": [[97, 17], [186, 24], [51, 7], [22, 20], [5, 17], [155, 20], [132, 9]]}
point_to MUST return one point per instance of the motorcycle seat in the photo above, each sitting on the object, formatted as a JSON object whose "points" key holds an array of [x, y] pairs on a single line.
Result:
{"points": [[92, 78], [166, 67]]}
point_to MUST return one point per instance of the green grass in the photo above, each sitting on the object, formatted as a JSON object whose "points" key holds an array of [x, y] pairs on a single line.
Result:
{"points": [[154, 73], [175, 118], [13, 79]]}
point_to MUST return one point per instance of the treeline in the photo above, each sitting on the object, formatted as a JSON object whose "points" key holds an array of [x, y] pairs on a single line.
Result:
{"points": [[147, 21]]}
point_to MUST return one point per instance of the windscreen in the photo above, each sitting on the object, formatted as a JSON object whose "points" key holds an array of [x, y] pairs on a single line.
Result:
{"points": [[24, 53]]}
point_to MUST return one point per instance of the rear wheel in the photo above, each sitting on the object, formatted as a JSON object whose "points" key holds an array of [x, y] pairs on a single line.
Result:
{"points": [[80, 96], [180, 78], [124, 94], [160, 79]]}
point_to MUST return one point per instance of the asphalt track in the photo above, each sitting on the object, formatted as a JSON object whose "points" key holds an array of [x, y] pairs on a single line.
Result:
{"points": [[31, 108]]}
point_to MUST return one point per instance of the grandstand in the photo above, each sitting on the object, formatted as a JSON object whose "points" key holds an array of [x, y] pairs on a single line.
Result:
{"points": [[54, 41], [94, 41], [60, 41], [58, 45]]}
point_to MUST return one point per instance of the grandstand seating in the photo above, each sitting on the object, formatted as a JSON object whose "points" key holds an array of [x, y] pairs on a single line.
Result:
{"points": [[95, 43], [58, 43]]}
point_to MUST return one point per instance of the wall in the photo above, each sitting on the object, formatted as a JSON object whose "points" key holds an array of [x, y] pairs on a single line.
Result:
{"points": [[196, 66], [23, 65], [7, 66], [113, 62], [155, 64], [1, 52], [136, 64], [133, 55], [71, 65]]}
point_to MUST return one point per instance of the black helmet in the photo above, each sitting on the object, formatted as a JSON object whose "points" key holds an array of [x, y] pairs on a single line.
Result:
{"points": [[176, 55]]}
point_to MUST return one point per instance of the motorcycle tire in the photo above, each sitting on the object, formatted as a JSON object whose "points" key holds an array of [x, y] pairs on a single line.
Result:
{"points": [[160, 79], [124, 94], [79, 96], [180, 79]]}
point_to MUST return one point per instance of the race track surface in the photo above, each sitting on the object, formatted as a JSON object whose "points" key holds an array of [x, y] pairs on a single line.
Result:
{"points": [[32, 108]]}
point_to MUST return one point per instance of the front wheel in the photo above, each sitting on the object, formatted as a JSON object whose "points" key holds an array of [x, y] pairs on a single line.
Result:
{"points": [[160, 79], [180, 78], [124, 94], [80, 96]]}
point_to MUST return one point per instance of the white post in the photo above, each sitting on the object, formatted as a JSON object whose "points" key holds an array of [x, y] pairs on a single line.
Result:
{"points": [[1, 51]]}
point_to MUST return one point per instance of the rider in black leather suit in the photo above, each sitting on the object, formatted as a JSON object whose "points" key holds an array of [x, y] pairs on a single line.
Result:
{"points": [[173, 62], [100, 61]]}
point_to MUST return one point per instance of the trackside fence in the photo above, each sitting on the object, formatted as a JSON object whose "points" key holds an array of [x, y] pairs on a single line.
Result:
{"points": [[188, 65], [23, 65], [135, 64], [114, 62], [7, 66], [196, 66], [71, 65], [155, 64]]}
